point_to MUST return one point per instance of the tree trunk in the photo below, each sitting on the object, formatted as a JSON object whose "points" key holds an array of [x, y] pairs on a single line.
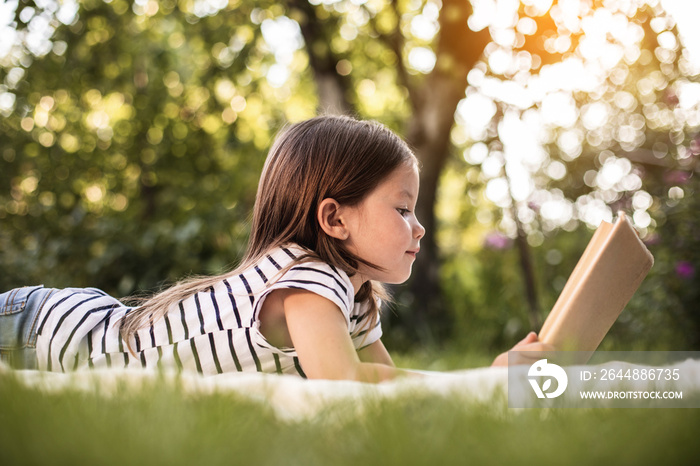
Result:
{"points": [[435, 102], [528, 270], [331, 86], [429, 135]]}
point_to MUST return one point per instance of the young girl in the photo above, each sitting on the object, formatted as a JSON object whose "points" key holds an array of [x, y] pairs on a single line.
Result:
{"points": [[333, 218]]}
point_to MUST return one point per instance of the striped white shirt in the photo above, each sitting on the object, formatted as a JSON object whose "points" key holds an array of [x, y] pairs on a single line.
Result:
{"points": [[211, 332]]}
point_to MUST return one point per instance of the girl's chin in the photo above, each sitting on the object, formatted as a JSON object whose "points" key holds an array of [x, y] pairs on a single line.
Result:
{"points": [[396, 275], [397, 280]]}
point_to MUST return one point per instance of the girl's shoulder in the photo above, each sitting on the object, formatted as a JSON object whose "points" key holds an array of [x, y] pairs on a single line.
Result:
{"points": [[293, 266], [292, 258]]}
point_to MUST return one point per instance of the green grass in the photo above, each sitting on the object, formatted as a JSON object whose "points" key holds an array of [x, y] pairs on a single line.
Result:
{"points": [[442, 359], [160, 424]]}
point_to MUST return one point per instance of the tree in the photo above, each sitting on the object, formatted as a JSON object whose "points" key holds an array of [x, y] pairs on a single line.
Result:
{"points": [[532, 40], [432, 101], [133, 143]]}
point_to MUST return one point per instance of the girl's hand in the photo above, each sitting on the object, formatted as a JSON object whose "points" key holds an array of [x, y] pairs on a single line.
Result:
{"points": [[529, 350]]}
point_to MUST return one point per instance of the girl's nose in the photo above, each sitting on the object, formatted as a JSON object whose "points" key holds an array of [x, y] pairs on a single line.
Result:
{"points": [[418, 230]]}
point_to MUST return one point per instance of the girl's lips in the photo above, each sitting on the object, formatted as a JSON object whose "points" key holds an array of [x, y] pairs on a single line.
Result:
{"points": [[412, 253]]}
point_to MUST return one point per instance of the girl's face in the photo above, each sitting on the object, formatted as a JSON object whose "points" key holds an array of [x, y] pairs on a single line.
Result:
{"points": [[383, 228]]}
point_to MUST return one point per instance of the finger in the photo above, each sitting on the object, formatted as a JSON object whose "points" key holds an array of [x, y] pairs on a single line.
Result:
{"points": [[533, 352], [529, 338], [537, 346]]}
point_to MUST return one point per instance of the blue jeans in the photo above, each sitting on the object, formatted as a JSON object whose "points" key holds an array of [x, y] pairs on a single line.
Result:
{"points": [[19, 321]]}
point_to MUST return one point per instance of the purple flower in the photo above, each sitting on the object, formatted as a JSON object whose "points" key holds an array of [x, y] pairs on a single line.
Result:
{"points": [[653, 239], [685, 270], [676, 177], [670, 98], [533, 206], [496, 241]]}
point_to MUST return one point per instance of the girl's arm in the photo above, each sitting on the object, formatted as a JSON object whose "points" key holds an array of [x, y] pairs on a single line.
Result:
{"points": [[319, 333], [320, 336], [376, 352]]}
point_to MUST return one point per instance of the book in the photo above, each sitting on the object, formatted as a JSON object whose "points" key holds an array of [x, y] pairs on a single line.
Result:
{"points": [[607, 275]]}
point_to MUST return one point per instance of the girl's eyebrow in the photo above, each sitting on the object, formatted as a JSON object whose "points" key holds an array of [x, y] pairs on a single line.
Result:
{"points": [[406, 193]]}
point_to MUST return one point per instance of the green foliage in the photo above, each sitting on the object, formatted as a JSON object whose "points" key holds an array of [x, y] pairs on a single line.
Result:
{"points": [[482, 282], [668, 306], [134, 150], [485, 288]]}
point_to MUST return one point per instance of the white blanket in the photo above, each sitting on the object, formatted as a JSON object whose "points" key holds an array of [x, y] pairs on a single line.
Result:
{"points": [[293, 398]]}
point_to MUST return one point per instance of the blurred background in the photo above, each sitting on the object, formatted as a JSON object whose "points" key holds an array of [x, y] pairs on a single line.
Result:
{"points": [[132, 135]]}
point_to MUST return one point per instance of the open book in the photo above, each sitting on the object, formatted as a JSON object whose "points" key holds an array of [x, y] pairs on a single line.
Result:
{"points": [[609, 272]]}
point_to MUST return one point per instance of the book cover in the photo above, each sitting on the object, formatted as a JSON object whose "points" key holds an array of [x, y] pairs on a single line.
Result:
{"points": [[606, 277]]}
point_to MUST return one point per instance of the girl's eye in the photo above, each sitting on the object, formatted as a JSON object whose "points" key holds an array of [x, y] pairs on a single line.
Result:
{"points": [[403, 212]]}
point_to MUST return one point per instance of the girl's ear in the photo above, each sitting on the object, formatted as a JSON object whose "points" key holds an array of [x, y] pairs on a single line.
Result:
{"points": [[330, 219]]}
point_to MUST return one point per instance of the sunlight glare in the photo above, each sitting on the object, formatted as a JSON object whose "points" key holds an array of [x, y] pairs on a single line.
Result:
{"points": [[686, 14], [492, 165], [283, 36], [474, 113], [689, 95], [482, 15], [476, 154], [641, 218], [423, 27], [612, 172], [497, 192], [500, 61], [540, 7], [595, 115], [606, 51], [422, 59], [521, 143], [592, 210], [558, 211], [559, 108]]}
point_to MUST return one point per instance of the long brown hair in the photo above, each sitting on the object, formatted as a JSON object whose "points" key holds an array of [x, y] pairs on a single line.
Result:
{"points": [[335, 157]]}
